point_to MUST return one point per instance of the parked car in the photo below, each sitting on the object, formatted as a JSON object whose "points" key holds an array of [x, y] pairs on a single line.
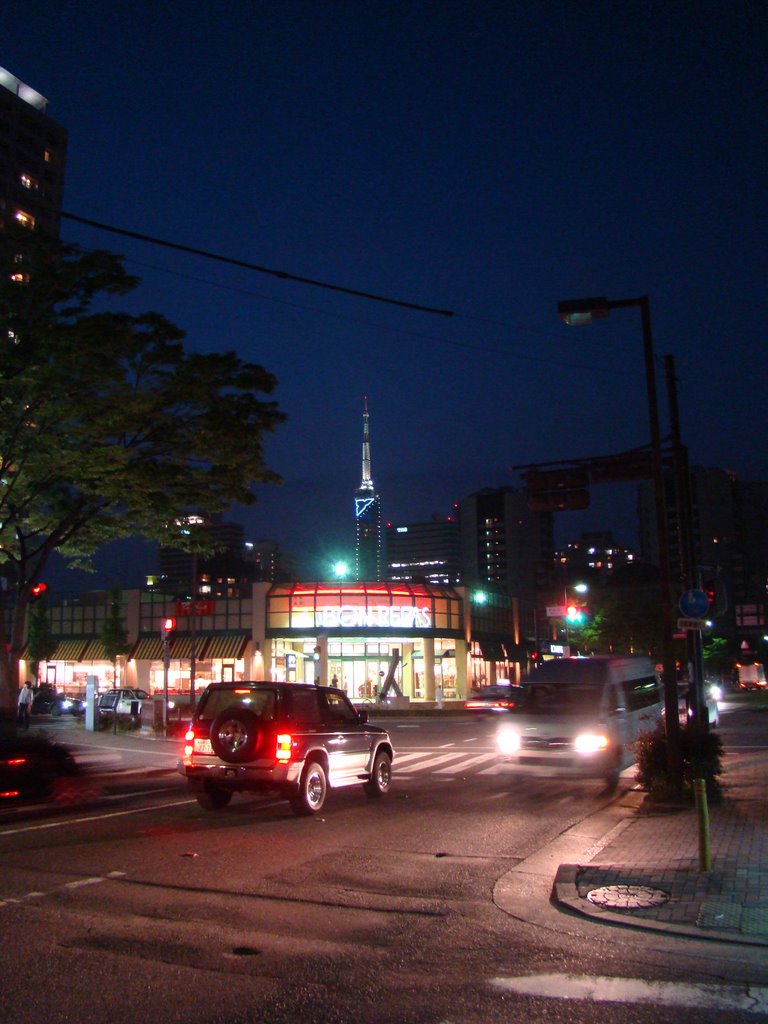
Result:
{"points": [[500, 697], [295, 739], [123, 701], [68, 705], [44, 699]]}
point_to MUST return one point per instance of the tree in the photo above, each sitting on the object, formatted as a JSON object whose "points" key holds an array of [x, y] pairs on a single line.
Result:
{"points": [[40, 643], [114, 638], [719, 658], [621, 622], [108, 427]]}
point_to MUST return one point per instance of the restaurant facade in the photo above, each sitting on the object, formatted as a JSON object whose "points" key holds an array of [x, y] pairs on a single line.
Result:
{"points": [[414, 643]]}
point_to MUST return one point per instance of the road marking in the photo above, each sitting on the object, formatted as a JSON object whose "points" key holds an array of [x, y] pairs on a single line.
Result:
{"points": [[439, 759], [597, 989], [462, 765], [93, 817]]}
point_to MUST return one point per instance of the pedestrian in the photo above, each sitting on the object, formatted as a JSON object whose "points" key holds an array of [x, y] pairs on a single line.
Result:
{"points": [[26, 696]]}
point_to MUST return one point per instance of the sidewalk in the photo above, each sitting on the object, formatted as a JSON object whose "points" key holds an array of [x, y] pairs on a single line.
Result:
{"points": [[645, 872]]}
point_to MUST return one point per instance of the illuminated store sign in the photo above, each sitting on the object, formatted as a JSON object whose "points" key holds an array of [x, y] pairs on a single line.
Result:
{"points": [[382, 617]]}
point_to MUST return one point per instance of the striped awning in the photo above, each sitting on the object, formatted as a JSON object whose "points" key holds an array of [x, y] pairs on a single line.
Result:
{"points": [[69, 650], [230, 646], [147, 648], [181, 647], [94, 652]]}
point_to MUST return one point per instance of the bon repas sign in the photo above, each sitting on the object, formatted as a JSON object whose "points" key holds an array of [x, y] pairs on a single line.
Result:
{"points": [[199, 607]]}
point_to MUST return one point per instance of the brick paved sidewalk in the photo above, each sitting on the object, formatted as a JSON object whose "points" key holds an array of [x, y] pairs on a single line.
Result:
{"points": [[649, 871]]}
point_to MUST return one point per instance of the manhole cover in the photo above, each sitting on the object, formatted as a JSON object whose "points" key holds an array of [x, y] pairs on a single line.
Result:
{"points": [[633, 897]]}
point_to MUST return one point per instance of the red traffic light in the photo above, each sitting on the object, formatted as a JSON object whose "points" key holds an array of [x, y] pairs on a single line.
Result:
{"points": [[168, 625], [39, 589]]}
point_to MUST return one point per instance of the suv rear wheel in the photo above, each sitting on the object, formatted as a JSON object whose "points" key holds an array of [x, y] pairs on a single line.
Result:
{"points": [[381, 775], [312, 790]]}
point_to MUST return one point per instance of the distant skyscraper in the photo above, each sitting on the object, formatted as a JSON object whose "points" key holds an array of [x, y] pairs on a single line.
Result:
{"points": [[428, 551], [368, 547], [33, 152]]}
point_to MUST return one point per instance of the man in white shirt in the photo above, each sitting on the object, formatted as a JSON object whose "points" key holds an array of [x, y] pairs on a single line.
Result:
{"points": [[26, 696]]}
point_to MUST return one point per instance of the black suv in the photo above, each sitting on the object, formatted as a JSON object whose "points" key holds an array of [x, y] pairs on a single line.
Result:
{"points": [[298, 740]]}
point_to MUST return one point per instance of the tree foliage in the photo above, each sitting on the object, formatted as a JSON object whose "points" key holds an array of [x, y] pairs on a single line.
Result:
{"points": [[40, 642], [114, 637], [621, 621], [108, 427]]}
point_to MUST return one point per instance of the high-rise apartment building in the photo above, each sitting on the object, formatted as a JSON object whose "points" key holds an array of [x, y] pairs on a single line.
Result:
{"points": [[729, 541], [504, 543], [428, 552], [33, 151]]}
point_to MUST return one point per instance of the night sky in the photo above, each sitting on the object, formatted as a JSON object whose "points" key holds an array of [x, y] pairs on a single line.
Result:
{"points": [[484, 158]]}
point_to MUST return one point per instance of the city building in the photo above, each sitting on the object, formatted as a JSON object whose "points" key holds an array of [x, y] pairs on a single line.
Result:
{"points": [[730, 547], [508, 550], [229, 571], [369, 556], [428, 552], [33, 150], [415, 642], [594, 556]]}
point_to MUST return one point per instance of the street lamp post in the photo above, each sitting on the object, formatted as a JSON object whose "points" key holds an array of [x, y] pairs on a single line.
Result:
{"points": [[584, 311]]}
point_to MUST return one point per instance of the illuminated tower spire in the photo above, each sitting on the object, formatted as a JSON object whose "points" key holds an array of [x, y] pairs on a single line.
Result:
{"points": [[368, 549], [367, 482]]}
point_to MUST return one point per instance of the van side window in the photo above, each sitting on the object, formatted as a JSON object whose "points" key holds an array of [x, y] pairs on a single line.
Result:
{"points": [[642, 693]]}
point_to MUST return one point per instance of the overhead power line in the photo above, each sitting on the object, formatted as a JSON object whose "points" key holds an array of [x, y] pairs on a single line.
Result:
{"points": [[282, 274]]}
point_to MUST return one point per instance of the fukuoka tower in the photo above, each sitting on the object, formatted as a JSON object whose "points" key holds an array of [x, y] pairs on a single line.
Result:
{"points": [[369, 558]]}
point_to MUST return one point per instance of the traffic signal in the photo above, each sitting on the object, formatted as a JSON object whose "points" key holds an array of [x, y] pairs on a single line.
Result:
{"points": [[39, 589], [167, 626], [575, 614], [718, 602]]}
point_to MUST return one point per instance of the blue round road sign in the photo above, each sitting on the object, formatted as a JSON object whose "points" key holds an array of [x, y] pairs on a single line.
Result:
{"points": [[694, 604]]}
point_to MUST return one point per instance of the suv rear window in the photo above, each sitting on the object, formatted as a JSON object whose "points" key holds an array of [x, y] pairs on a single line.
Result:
{"points": [[261, 702]]}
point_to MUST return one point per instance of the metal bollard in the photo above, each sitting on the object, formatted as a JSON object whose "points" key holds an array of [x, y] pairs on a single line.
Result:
{"points": [[702, 814]]}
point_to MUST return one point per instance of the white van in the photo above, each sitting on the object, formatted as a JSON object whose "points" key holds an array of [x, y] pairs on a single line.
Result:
{"points": [[580, 717]]}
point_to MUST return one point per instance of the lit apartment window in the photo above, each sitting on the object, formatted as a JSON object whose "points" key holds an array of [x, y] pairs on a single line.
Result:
{"points": [[25, 219], [29, 183], [20, 278], [48, 156]]}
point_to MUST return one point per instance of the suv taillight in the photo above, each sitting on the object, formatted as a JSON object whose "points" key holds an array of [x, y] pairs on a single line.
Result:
{"points": [[284, 745], [189, 747]]}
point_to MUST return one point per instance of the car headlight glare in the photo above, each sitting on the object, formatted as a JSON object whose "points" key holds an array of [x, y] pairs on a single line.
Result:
{"points": [[508, 741], [590, 743], [715, 692]]}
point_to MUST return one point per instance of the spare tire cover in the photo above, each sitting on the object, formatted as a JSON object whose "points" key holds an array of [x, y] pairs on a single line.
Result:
{"points": [[235, 735]]}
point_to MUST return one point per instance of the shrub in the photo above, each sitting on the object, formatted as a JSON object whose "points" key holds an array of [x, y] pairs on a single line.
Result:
{"points": [[700, 761]]}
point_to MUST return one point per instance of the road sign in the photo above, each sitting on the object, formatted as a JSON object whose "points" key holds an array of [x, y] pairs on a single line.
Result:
{"points": [[557, 611], [691, 623], [694, 604]]}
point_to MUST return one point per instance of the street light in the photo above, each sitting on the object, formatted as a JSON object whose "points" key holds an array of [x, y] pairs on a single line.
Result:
{"points": [[585, 311]]}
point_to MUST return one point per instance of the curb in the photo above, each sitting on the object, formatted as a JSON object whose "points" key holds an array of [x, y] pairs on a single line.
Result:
{"points": [[565, 893]]}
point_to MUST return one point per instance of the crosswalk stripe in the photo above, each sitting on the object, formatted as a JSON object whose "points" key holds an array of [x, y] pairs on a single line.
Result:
{"points": [[440, 759], [467, 763]]}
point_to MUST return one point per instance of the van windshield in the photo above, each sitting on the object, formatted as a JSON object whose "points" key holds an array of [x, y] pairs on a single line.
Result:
{"points": [[557, 699]]}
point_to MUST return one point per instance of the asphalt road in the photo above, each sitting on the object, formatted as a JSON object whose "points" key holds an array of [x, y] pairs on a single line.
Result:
{"points": [[143, 906]]}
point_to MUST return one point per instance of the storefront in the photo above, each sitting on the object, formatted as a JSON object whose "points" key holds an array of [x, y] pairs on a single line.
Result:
{"points": [[415, 642], [404, 639]]}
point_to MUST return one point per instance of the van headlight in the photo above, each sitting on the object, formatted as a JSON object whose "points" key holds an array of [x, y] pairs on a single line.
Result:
{"points": [[508, 741], [590, 743]]}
